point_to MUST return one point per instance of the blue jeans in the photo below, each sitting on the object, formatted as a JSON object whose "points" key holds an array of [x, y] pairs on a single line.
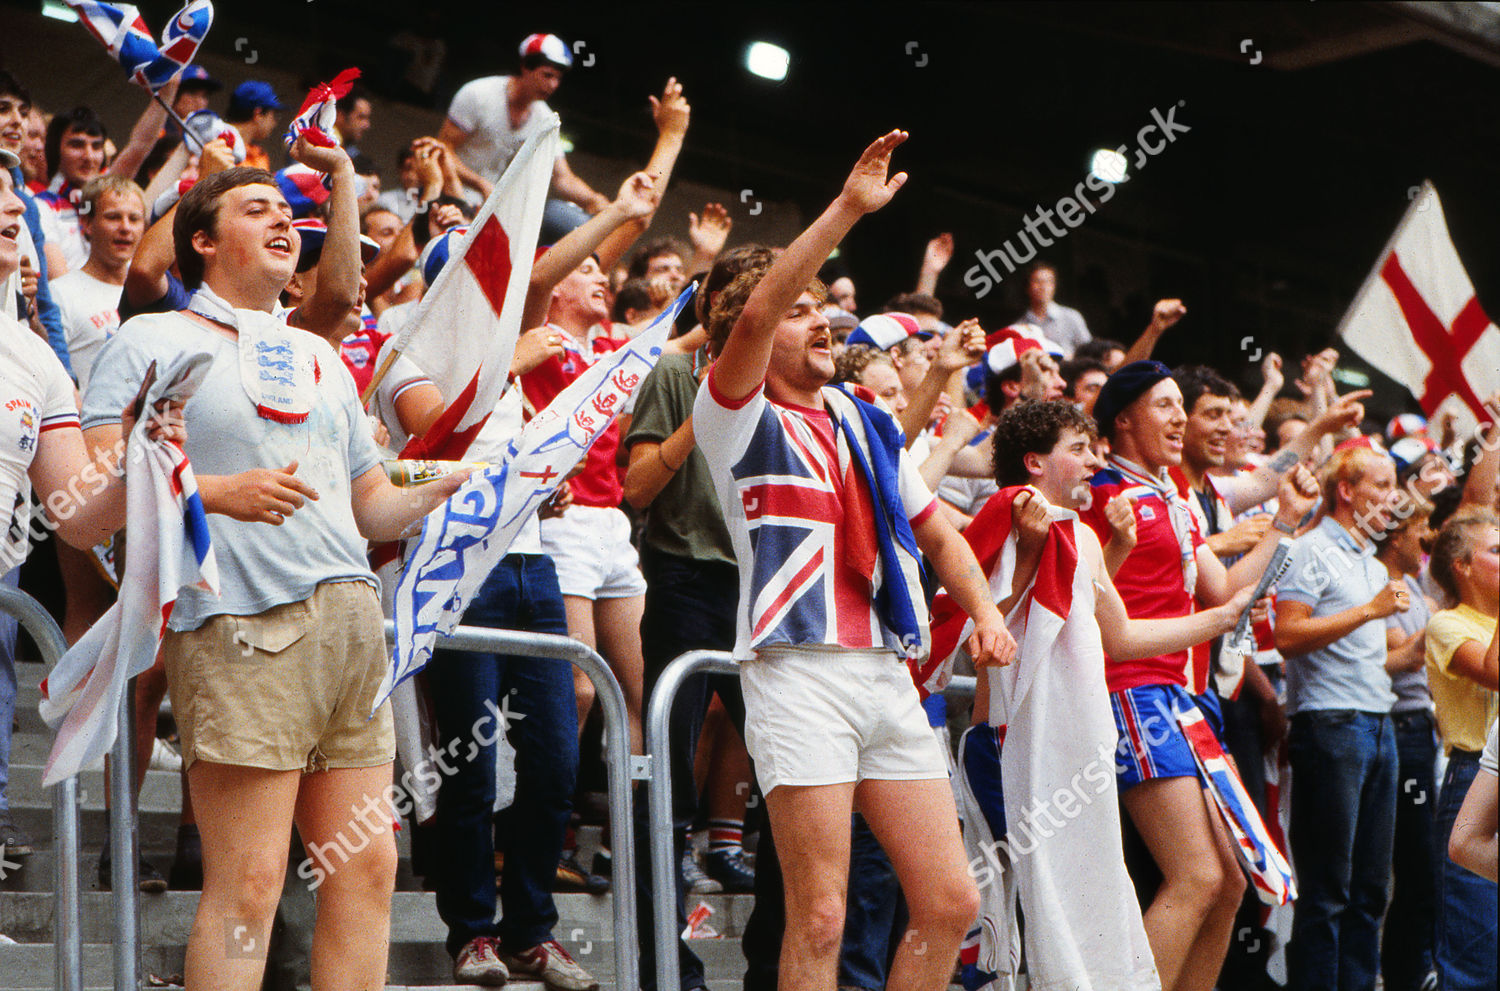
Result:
{"points": [[536, 696], [1464, 935], [875, 916], [8, 629], [1343, 825], [690, 605], [1406, 956]]}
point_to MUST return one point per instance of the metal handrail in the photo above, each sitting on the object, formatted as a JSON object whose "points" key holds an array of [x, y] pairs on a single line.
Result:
{"points": [[66, 920], [617, 740], [659, 802]]}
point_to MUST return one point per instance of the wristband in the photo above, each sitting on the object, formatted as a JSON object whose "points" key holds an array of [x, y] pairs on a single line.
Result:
{"points": [[1285, 528]]}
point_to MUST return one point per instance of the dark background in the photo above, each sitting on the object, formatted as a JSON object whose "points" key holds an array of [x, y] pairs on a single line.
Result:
{"points": [[1265, 218]]}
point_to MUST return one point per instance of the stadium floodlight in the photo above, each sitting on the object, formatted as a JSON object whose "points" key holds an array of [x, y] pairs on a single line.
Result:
{"points": [[767, 60], [1108, 165]]}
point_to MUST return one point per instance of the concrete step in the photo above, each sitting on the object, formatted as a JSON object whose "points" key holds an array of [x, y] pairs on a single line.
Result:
{"points": [[30, 965]]}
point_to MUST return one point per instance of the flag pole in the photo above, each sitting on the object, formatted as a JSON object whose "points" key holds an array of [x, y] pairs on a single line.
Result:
{"points": [[1418, 204], [181, 124], [385, 366]]}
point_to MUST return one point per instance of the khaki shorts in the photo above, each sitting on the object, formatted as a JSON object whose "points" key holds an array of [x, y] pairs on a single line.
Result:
{"points": [[287, 689]]}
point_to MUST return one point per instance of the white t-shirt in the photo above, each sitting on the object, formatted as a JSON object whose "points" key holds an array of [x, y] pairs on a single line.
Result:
{"points": [[481, 110], [60, 223], [90, 316], [799, 522], [36, 395]]}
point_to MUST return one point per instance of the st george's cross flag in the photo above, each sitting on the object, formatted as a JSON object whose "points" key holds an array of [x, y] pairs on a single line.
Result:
{"points": [[169, 549], [463, 539], [1416, 318], [464, 333], [123, 33]]}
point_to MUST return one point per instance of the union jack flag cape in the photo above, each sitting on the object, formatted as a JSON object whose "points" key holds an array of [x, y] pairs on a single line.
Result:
{"points": [[463, 539], [169, 549], [123, 33]]}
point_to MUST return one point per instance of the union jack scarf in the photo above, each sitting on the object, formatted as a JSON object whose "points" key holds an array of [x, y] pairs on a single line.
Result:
{"points": [[123, 33], [315, 120], [1179, 512]]}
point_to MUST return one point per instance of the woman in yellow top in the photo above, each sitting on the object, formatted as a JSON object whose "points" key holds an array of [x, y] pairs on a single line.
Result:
{"points": [[1462, 672]]}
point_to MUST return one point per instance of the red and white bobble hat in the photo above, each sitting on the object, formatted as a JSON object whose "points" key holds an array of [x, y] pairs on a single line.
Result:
{"points": [[1008, 343], [550, 47], [1406, 425], [885, 330]]}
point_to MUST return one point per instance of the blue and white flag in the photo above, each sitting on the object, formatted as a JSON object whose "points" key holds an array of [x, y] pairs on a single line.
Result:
{"points": [[463, 539], [169, 549]]}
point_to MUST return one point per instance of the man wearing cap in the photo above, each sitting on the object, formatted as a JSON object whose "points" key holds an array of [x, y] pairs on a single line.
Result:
{"points": [[193, 89], [1062, 324], [491, 118], [1163, 568], [252, 112]]}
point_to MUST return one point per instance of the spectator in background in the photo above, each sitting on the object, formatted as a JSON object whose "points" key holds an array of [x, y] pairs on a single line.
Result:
{"points": [[1330, 628], [352, 119], [252, 112], [194, 87], [662, 258], [15, 108], [1059, 323], [491, 118], [1463, 672], [403, 198], [925, 308], [1109, 353], [34, 152], [1406, 950], [75, 154], [1082, 380], [113, 219]]}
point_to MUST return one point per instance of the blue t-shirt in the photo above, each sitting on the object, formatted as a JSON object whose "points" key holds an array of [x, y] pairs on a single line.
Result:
{"points": [[260, 565], [1328, 571]]}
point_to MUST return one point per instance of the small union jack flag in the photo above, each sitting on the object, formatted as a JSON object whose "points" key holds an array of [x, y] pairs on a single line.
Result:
{"points": [[123, 33], [315, 120]]}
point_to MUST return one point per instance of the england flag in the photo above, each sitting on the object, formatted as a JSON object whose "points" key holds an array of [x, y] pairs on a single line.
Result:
{"points": [[465, 331], [1417, 319]]}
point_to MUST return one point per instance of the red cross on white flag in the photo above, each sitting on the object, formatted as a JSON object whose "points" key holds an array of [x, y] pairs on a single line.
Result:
{"points": [[1417, 319]]}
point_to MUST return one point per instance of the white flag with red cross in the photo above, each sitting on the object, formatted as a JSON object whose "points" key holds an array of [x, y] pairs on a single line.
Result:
{"points": [[1417, 319], [464, 333]]}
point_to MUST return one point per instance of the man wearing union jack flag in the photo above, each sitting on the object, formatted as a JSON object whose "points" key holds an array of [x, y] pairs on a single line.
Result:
{"points": [[828, 517]]}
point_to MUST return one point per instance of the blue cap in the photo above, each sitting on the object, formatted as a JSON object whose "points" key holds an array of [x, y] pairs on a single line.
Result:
{"points": [[1125, 386], [196, 75], [252, 95]]}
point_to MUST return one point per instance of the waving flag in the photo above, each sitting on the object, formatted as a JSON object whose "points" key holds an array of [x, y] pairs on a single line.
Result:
{"points": [[169, 549], [123, 33], [1417, 319], [1268, 869], [315, 120], [465, 538], [465, 332]]}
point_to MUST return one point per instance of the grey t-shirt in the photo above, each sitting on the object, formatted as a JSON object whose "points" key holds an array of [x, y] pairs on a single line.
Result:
{"points": [[260, 565], [1412, 693], [1328, 571]]}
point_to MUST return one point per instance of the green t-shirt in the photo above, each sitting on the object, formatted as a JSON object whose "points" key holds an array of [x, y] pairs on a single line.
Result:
{"points": [[685, 518]]}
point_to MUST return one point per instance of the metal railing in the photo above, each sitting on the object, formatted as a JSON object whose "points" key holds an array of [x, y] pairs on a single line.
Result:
{"points": [[66, 919], [67, 923], [618, 763], [659, 804]]}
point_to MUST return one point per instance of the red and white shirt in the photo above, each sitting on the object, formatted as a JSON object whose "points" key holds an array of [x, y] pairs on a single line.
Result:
{"points": [[599, 482]]}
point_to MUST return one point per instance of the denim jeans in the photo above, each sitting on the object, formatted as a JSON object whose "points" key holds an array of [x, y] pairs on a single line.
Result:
{"points": [[1406, 955], [8, 630], [535, 697], [1464, 935], [875, 916], [1343, 824], [690, 605]]}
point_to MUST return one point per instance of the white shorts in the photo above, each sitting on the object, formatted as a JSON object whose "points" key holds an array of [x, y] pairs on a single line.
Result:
{"points": [[591, 547], [822, 716]]}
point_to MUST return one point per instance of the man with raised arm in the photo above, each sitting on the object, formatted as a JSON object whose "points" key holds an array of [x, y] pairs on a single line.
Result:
{"points": [[827, 516]]}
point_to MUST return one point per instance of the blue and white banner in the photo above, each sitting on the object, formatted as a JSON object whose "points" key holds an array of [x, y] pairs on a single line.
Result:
{"points": [[463, 539]]}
